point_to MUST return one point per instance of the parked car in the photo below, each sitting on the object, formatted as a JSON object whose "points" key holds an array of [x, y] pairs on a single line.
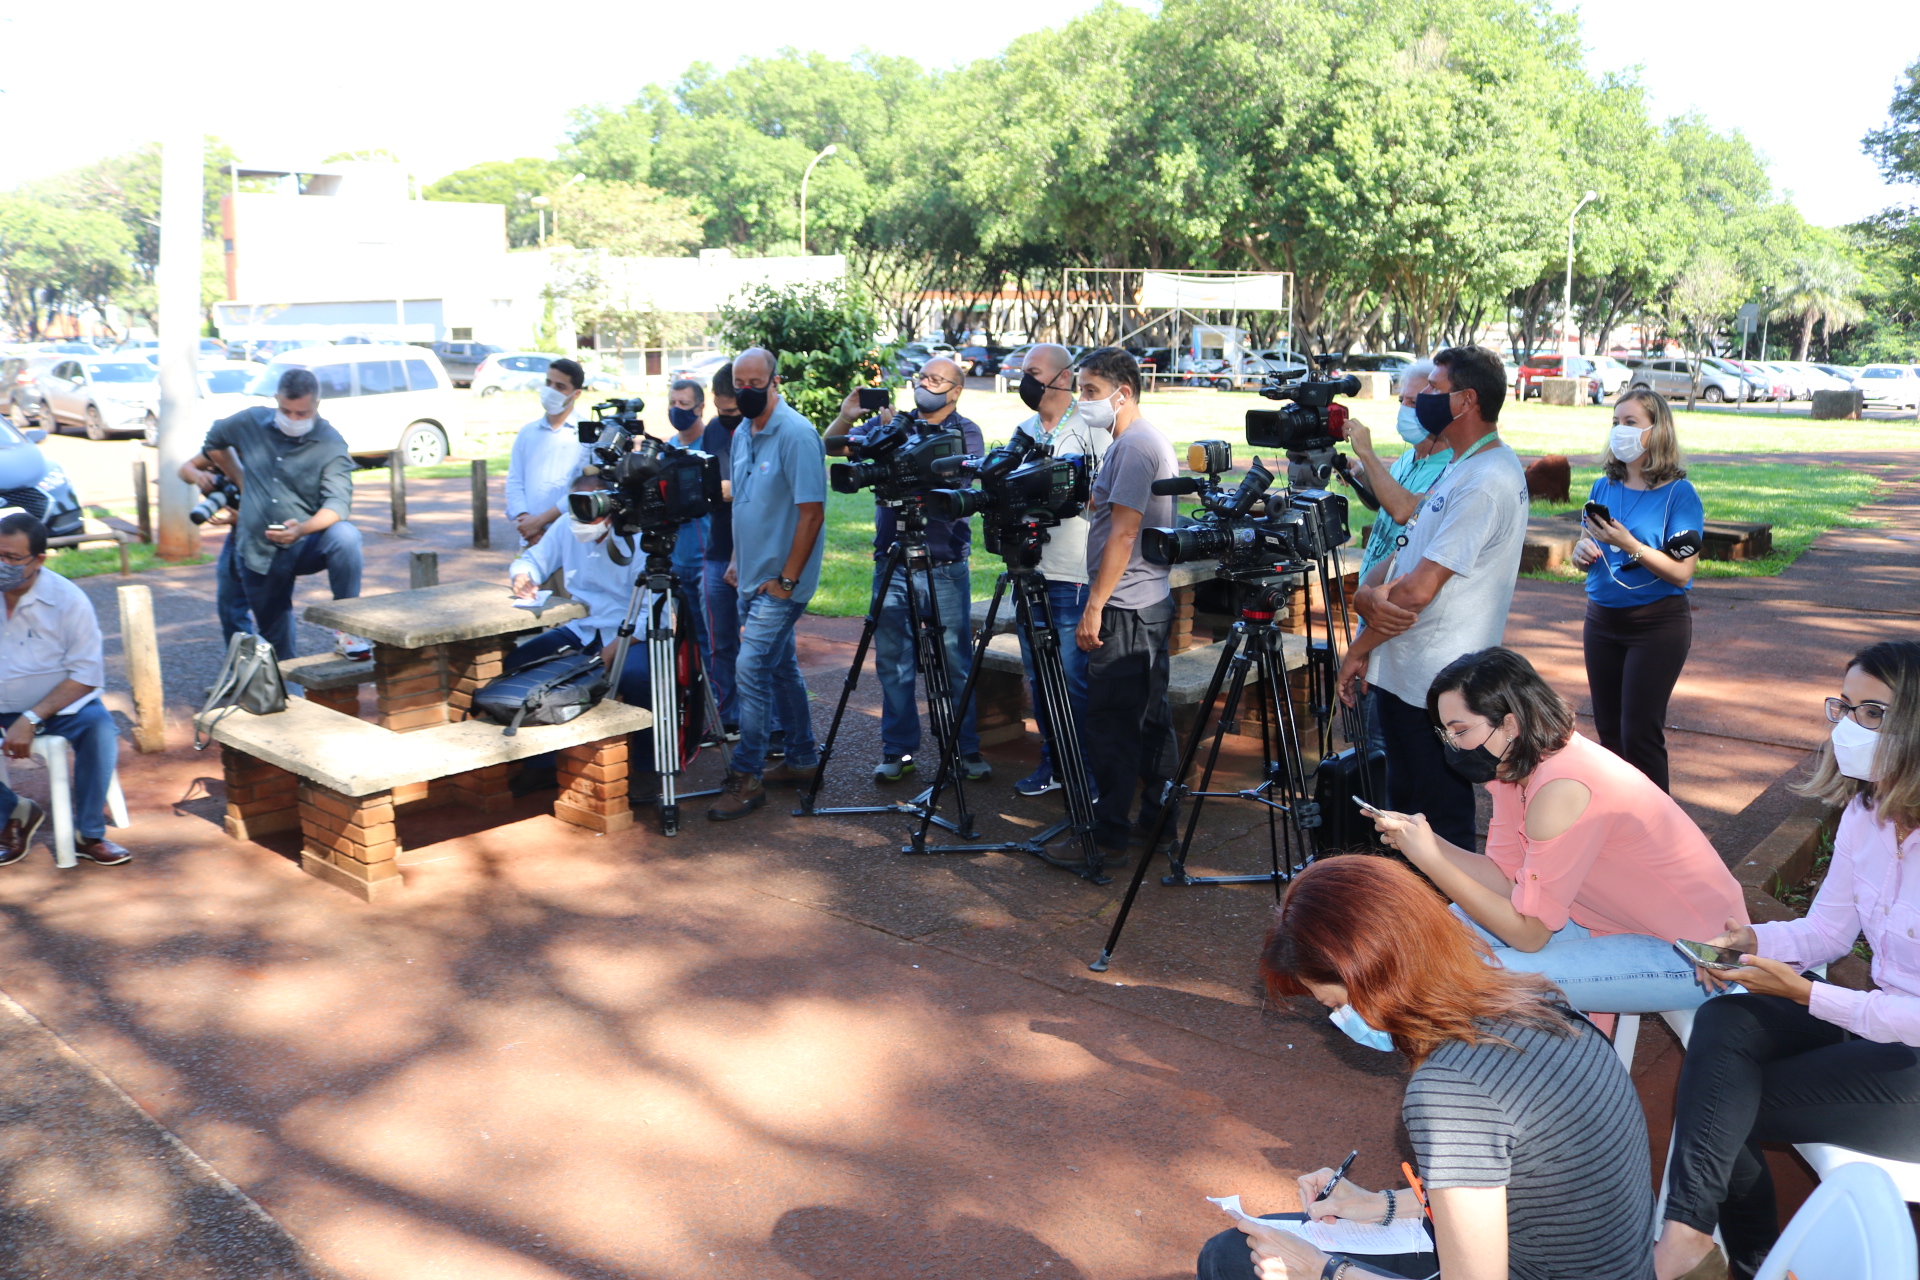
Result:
{"points": [[1537, 368], [982, 362], [1818, 379], [1892, 385], [210, 348], [1614, 375], [20, 387], [460, 359], [224, 391], [34, 485], [527, 371], [381, 398], [1672, 377], [1393, 363], [1846, 374], [102, 395], [1763, 383], [914, 354], [1278, 360], [700, 369], [76, 349]]}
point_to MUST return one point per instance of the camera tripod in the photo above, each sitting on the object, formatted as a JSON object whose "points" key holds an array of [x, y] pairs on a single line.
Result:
{"points": [[1034, 618], [1256, 642], [656, 590], [907, 556]]}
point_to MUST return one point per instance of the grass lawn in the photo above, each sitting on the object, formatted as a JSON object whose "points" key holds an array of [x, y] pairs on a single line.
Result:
{"points": [[104, 557]]}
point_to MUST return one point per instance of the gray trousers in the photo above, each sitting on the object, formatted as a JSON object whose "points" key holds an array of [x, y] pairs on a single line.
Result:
{"points": [[1129, 723]]}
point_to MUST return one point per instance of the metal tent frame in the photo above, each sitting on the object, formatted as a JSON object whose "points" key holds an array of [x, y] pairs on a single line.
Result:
{"points": [[1105, 300]]}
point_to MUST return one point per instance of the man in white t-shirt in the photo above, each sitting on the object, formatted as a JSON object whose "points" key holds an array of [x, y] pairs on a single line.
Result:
{"points": [[1445, 592], [1046, 387]]}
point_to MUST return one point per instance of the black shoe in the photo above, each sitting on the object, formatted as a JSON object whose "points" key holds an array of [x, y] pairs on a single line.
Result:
{"points": [[893, 768], [777, 745], [732, 732]]}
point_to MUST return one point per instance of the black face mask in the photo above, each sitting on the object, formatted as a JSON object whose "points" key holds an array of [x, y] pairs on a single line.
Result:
{"points": [[728, 420], [1434, 409], [1476, 765], [751, 401], [1031, 391]]}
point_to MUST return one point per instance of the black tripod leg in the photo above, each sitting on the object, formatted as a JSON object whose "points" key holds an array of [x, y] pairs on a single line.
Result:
{"points": [[930, 665], [895, 558], [918, 840], [1303, 813], [1236, 686], [1171, 791], [1063, 729]]}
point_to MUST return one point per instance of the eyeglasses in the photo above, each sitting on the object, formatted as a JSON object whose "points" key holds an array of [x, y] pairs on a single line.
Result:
{"points": [[934, 382], [1452, 739], [1867, 715], [18, 562]]}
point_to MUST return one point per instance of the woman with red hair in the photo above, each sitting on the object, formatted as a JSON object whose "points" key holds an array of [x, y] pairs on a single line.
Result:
{"points": [[1530, 1140]]}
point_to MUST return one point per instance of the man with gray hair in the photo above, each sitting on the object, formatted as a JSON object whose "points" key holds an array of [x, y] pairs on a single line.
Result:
{"points": [[1401, 486], [295, 479]]}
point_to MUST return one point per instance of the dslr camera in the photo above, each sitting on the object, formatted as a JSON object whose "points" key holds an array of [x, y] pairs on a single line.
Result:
{"points": [[657, 485], [1251, 529], [225, 493], [1024, 491], [1307, 429], [895, 464]]}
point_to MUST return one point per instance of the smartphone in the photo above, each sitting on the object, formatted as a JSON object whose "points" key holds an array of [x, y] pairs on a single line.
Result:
{"points": [[1708, 957], [872, 398], [1368, 809], [276, 526], [1598, 509]]}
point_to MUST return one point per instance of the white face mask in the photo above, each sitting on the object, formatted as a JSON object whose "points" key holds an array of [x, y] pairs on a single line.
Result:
{"points": [[553, 401], [1854, 748], [1099, 415], [1408, 425], [291, 427], [587, 532], [1625, 442]]}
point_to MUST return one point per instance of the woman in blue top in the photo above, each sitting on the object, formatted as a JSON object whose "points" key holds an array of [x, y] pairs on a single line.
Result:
{"points": [[1639, 621]]}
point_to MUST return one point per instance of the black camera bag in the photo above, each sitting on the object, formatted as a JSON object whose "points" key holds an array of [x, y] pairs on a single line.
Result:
{"points": [[1344, 828], [553, 690]]}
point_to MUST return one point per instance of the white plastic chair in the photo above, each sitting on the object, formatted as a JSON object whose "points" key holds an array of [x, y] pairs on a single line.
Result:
{"points": [[59, 763], [1826, 1158], [1853, 1227]]}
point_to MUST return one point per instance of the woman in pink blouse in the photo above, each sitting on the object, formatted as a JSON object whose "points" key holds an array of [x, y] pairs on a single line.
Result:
{"points": [[1591, 870], [1798, 1060]]}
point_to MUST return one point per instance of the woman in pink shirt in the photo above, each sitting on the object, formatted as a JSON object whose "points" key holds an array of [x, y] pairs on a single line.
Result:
{"points": [[1591, 870], [1796, 1060]]}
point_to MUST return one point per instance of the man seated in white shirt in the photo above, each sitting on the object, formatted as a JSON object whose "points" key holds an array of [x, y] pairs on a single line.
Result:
{"points": [[580, 551], [51, 671], [547, 455]]}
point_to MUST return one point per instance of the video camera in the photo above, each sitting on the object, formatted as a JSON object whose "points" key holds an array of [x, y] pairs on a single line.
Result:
{"points": [[895, 464], [1024, 491], [657, 485], [225, 493], [1248, 529], [1306, 430]]}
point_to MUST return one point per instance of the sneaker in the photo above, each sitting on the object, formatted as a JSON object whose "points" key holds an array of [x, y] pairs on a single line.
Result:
{"points": [[102, 851], [786, 775], [1037, 783], [777, 745], [740, 795], [351, 646], [732, 732], [976, 767], [17, 836], [893, 768]]}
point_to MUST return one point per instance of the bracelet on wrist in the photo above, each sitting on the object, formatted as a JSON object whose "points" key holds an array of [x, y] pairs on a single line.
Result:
{"points": [[1393, 1207]]}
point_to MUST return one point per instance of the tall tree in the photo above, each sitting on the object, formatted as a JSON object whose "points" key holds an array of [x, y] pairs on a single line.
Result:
{"points": [[513, 183]]}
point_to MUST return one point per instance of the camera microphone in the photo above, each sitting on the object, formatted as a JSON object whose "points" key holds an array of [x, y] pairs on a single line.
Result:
{"points": [[1177, 485]]}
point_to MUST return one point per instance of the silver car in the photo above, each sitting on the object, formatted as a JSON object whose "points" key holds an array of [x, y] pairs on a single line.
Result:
{"points": [[1673, 378], [103, 395]]}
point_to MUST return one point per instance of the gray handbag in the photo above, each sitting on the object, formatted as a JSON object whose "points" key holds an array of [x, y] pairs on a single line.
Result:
{"points": [[249, 680]]}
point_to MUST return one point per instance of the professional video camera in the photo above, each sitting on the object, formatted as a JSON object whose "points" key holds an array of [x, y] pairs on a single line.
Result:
{"points": [[1024, 491], [225, 493], [1248, 529], [657, 485], [891, 462], [1307, 429]]}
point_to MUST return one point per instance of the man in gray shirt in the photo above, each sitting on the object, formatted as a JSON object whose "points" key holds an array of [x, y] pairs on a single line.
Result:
{"points": [[1128, 620], [296, 491], [1445, 592]]}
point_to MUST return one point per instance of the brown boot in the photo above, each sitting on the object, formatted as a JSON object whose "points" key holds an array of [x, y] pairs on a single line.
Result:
{"points": [[786, 775], [740, 795], [17, 836]]}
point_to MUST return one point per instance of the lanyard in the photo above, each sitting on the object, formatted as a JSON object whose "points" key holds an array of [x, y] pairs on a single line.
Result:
{"points": [[1400, 543]]}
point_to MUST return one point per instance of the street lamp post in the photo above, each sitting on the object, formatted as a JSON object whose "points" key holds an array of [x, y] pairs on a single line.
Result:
{"points": [[541, 203], [825, 151], [1566, 298]]}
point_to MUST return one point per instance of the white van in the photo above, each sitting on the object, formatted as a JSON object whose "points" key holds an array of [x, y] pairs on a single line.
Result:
{"points": [[381, 398]]}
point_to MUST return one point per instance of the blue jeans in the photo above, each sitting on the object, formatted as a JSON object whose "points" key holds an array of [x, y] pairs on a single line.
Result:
{"points": [[893, 654], [767, 679], [689, 565], [230, 591], [720, 613], [1617, 973], [96, 750], [335, 548], [1066, 601]]}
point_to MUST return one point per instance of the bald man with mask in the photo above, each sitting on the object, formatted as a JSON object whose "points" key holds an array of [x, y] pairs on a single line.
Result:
{"points": [[936, 395]]}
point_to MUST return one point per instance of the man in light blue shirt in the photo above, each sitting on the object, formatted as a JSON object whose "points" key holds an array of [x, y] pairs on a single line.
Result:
{"points": [[547, 455], [779, 513]]}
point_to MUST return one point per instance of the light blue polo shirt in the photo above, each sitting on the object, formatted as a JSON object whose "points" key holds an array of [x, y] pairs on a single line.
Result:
{"points": [[774, 470]]}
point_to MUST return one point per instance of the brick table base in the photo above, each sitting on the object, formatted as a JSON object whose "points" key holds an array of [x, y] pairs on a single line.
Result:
{"points": [[260, 796], [411, 685], [350, 841], [471, 664], [593, 786]]}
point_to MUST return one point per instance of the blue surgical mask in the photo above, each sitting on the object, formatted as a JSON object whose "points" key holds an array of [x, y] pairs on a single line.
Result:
{"points": [[1408, 425], [1359, 1032]]}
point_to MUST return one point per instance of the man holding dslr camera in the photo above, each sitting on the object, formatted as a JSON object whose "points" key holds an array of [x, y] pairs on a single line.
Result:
{"points": [[296, 481], [936, 393]]}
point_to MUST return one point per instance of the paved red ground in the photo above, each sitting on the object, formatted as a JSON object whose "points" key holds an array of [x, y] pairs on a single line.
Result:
{"points": [[778, 1048]]}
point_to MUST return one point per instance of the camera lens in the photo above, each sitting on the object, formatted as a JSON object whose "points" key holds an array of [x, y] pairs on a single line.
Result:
{"points": [[1182, 546], [953, 504]]}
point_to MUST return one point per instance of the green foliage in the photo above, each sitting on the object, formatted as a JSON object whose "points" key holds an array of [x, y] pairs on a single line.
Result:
{"points": [[1896, 148], [52, 256], [622, 218], [513, 183], [823, 334]]}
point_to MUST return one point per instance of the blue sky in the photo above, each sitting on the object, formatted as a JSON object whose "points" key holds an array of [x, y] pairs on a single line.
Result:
{"points": [[449, 85]]}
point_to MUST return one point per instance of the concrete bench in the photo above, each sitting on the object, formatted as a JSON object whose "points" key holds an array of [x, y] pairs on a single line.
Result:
{"points": [[1550, 541], [340, 779], [329, 679], [121, 539]]}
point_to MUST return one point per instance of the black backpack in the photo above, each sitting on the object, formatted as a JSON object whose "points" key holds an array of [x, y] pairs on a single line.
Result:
{"points": [[553, 690]]}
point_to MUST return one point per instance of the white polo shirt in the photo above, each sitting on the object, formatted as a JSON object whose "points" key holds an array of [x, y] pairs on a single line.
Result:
{"points": [[51, 635]]}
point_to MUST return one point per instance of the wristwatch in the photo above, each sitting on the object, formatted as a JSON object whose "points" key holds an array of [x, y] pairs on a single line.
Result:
{"points": [[1335, 1261], [33, 718], [788, 584]]}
